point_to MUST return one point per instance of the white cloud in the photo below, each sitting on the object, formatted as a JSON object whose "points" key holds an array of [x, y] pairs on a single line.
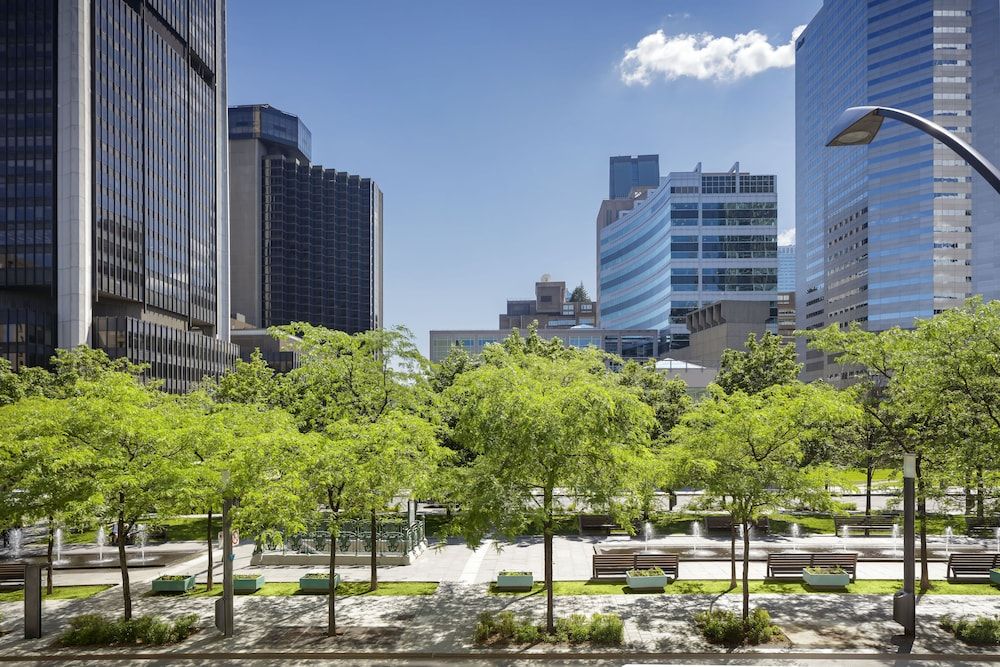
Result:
{"points": [[704, 56], [787, 237]]}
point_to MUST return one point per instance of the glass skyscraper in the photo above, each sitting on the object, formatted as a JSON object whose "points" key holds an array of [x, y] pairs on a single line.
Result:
{"points": [[887, 231], [786, 268], [112, 190], [695, 239], [626, 172], [307, 241]]}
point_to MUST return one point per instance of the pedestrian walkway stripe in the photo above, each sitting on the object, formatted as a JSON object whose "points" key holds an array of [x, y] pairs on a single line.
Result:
{"points": [[471, 568]]}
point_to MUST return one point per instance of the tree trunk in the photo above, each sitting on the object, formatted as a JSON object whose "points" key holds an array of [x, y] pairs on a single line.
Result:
{"points": [[48, 558], [869, 475], [331, 626], [970, 501], [732, 553], [374, 563], [123, 564], [925, 580], [980, 493], [550, 623], [746, 570], [209, 584]]}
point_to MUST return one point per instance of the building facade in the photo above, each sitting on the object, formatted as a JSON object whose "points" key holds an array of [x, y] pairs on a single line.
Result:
{"points": [[627, 172], [786, 268], [307, 241], [113, 194], [640, 345], [550, 308], [888, 231], [695, 239]]}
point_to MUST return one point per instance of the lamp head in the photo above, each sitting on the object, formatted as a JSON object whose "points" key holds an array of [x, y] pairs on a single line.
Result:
{"points": [[855, 127]]}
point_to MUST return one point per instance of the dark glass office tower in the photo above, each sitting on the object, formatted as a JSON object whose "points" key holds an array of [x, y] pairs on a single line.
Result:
{"points": [[628, 172], [307, 241], [113, 209]]}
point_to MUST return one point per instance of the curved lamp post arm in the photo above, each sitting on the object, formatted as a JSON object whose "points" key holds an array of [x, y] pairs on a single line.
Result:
{"points": [[859, 125]]}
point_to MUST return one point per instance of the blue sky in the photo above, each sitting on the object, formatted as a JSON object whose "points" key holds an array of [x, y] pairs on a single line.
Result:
{"points": [[488, 125]]}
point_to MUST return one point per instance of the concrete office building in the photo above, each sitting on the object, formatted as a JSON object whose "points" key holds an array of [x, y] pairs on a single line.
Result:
{"points": [[638, 344], [550, 308], [113, 192], [307, 241], [695, 239], [725, 325], [901, 228], [626, 173]]}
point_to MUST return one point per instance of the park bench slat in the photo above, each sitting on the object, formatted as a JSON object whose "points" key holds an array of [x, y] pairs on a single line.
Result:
{"points": [[792, 564], [618, 564], [971, 566]]}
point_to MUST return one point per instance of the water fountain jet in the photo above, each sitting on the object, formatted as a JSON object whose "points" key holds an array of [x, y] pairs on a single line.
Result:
{"points": [[15, 543], [795, 531], [58, 547]]}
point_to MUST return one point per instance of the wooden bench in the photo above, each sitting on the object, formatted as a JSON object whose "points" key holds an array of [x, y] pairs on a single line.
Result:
{"points": [[616, 565], [971, 566], [984, 527], [858, 526], [12, 572], [792, 564], [723, 522], [601, 524]]}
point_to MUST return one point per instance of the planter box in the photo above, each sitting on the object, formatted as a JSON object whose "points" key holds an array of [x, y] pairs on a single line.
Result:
{"points": [[314, 585], [248, 585], [648, 583], [826, 579], [995, 577], [173, 585], [515, 582]]}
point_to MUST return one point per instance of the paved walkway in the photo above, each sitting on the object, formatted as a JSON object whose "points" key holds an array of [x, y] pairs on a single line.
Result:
{"points": [[444, 621], [572, 560]]}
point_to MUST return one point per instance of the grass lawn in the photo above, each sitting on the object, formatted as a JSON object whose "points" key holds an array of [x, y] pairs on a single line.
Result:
{"points": [[346, 589], [882, 477], [181, 529], [58, 593], [718, 587]]}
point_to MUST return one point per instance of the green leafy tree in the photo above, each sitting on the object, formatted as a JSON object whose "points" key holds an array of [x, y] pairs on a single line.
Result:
{"points": [[369, 397], [250, 382], [140, 465], [540, 418], [763, 364], [746, 450]]}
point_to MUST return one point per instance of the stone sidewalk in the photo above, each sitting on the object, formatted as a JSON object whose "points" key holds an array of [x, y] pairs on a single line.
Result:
{"points": [[444, 622], [457, 563]]}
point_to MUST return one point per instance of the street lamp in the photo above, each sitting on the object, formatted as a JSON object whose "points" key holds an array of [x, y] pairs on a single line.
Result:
{"points": [[224, 606], [859, 125]]}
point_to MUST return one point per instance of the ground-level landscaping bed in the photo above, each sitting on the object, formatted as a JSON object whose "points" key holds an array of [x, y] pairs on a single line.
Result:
{"points": [[346, 589], [58, 593], [716, 587]]}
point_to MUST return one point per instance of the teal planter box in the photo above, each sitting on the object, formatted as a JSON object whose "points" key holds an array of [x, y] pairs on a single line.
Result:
{"points": [[995, 577], [515, 582], [248, 585], [826, 579], [318, 584], [161, 585], [647, 583]]}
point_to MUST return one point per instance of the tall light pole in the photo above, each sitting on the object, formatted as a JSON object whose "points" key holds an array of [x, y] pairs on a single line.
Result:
{"points": [[859, 125], [224, 606], [904, 603]]}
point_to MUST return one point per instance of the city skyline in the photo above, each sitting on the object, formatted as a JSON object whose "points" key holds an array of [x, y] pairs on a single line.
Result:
{"points": [[518, 136]]}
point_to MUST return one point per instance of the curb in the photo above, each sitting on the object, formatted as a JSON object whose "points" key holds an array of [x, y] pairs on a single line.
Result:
{"points": [[501, 655]]}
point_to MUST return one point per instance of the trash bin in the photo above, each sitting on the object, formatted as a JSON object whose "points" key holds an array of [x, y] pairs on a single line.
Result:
{"points": [[220, 614], [904, 610]]}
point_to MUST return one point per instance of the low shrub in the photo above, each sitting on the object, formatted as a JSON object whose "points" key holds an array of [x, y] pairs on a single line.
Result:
{"points": [[514, 573], [651, 572], [250, 576], [825, 569], [720, 626], [982, 631], [317, 575], [603, 629], [97, 629], [173, 577]]}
